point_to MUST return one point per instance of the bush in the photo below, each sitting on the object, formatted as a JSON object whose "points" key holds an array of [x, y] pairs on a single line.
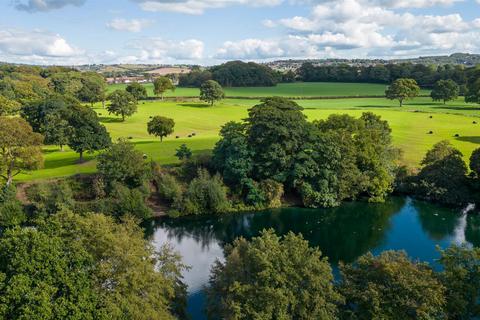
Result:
{"points": [[169, 188], [190, 167], [51, 197], [127, 201], [12, 213], [205, 194], [122, 163]]}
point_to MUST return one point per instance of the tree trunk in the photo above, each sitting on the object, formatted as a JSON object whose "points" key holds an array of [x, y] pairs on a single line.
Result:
{"points": [[81, 156], [61, 147], [9, 180], [401, 103], [123, 117]]}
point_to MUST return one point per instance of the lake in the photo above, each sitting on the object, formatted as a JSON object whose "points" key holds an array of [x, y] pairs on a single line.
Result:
{"points": [[342, 234]]}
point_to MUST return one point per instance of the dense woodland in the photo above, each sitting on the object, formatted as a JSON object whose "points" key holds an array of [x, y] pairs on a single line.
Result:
{"points": [[72, 248]]}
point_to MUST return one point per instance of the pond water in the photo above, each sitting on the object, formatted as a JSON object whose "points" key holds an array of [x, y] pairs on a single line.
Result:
{"points": [[342, 234]]}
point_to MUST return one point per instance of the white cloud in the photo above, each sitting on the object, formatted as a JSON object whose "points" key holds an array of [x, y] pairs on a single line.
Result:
{"points": [[35, 44], [44, 5], [199, 6], [157, 50], [133, 25]]}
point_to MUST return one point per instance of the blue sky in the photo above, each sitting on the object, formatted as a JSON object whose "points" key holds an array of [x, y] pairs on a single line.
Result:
{"points": [[212, 31]]}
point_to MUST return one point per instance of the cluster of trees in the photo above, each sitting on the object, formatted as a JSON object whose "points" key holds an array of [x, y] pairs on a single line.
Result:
{"points": [[424, 75], [324, 162], [273, 277], [233, 74], [89, 266], [444, 177], [276, 150]]}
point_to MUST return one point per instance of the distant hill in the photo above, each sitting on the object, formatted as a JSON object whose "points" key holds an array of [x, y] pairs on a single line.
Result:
{"points": [[465, 59]]}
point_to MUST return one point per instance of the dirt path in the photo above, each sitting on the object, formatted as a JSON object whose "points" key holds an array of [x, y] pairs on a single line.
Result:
{"points": [[155, 203]]}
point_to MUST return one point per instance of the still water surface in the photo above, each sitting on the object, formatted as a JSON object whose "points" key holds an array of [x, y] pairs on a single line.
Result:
{"points": [[342, 234]]}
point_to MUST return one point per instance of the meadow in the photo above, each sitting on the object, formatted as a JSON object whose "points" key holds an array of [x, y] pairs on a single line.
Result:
{"points": [[410, 125], [299, 89]]}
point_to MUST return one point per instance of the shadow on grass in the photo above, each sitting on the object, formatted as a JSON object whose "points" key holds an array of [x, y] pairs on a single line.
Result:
{"points": [[110, 120], [195, 105], [74, 160], [375, 107], [470, 139], [462, 108]]}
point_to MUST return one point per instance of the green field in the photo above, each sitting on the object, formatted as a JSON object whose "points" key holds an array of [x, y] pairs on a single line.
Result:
{"points": [[299, 89], [410, 126]]}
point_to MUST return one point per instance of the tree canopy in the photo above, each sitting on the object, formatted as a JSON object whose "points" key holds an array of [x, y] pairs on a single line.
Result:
{"points": [[161, 85], [160, 126], [122, 103], [211, 91], [445, 90], [137, 90], [402, 89]]}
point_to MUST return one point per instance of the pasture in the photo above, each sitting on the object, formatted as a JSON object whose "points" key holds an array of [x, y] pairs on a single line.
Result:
{"points": [[410, 125], [298, 89]]}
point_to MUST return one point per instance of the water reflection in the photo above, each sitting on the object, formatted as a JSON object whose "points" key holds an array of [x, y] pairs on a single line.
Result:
{"points": [[343, 233]]}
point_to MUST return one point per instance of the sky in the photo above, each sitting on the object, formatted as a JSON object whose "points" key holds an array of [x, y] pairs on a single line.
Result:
{"points": [[206, 32]]}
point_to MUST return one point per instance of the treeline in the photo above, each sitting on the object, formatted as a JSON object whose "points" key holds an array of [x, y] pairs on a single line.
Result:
{"points": [[236, 74], [424, 75]]}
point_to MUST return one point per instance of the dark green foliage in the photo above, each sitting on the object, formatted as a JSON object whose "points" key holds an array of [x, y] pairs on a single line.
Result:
{"points": [[402, 89], [51, 197], [211, 91], [276, 131], [168, 187], [122, 163], [132, 202], [205, 195], [87, 135], [472, 93], [93, 88], [443, 177], [160, 127], [122, 103], [232, 156], [391, 286], [189, 168], [424, 75], [475, 162], [445, 90], [137, 90], [183, 152], [12, 212], [195, 78], [346, 158], [243, 74], [161, 85], [87, 267], [461, 277], [272, 278]]}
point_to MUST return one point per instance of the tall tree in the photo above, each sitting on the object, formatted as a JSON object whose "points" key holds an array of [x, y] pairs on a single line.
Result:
{"points": [[93, 88], [160, 127], [402, 89], [211, 91], [137, 90], [20, 148], [272, 278], [391, 286], [122, 103], [8, 106], [473, 87], [161, 85], [88, 134], [445, 90]]}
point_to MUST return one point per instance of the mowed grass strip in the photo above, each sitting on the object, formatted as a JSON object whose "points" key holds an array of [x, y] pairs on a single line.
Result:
{"points": [[410, 128], [297, 89]]}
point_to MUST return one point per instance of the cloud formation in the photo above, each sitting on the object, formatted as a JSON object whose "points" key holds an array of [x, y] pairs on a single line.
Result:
{"points": [[45, 5], [158, 50], [133, 25]]}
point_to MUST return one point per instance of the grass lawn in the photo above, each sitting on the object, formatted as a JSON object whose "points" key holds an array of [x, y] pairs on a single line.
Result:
{"points": [[410, 127], [298, 89]]}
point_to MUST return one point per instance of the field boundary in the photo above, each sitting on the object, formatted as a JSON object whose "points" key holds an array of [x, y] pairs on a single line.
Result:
{"points": [[180, 98]]}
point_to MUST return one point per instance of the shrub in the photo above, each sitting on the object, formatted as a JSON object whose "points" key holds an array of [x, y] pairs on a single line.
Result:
{"points": [[127, 201], [12, 213], [51, 197], [169, 188], [205, 194]]}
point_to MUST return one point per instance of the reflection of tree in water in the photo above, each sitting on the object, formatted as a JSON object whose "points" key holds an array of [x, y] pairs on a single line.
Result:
{"points": [[438, 222], [472, 233], [342, 233]]}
